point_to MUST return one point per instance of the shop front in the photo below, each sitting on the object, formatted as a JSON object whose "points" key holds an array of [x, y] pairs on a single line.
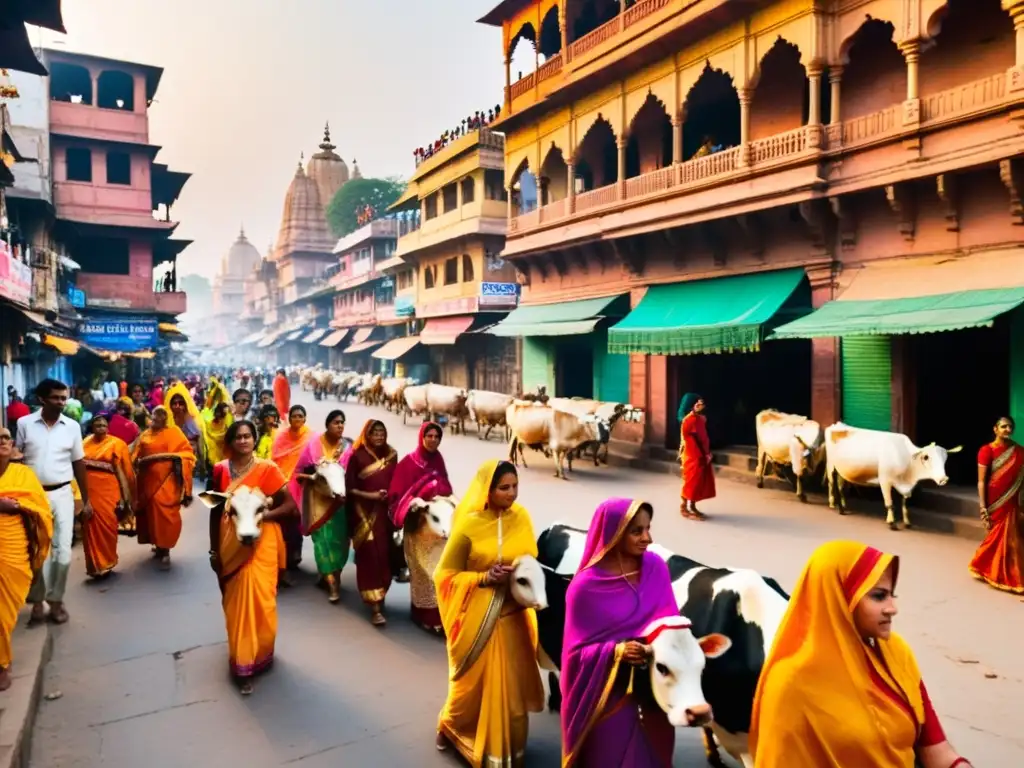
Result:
{"points": [[710, 335], [932, 347]]}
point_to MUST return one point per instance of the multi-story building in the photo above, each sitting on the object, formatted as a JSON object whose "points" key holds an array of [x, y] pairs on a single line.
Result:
{"points": [[462, 284], [236, 266], [829, 192], [112, 200]]}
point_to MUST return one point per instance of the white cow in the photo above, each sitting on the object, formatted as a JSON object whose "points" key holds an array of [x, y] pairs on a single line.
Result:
{"points": [[422, 537], [526, 584], [786, 439], [678, 664], [244, 507], [885, 460]]}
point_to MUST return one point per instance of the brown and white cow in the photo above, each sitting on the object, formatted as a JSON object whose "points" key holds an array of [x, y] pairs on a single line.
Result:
{"points": [[789, 440], [422, 537], [606, 411], [244, 506], [443, 400], [391, 392], [547, 429], [415, 398], [885, 460], [488, 410], [372, 392]]}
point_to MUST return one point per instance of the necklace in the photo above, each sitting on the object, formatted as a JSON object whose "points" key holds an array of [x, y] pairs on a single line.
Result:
{"points": [[235, 474]]}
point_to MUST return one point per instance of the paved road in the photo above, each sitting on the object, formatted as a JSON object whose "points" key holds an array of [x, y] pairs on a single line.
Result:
{"points": [[142, 664]]}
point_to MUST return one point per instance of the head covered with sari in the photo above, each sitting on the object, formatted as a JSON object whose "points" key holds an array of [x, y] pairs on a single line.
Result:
{"points": [[603, 609], [363, 440], [870, 707], [422, 474], [475, 499], [686, 404], [216, 395], [190, 405]]}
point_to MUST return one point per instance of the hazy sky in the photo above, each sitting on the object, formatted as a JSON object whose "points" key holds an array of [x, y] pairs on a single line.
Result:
{"points": [[248, 84]]}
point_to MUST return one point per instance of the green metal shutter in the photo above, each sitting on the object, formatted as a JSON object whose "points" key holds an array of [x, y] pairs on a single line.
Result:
{"points": [[1017, 368], [867, 381], [538, 364], [611, 372]]}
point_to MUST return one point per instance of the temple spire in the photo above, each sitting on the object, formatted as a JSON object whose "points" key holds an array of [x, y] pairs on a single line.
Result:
{"points": [[326, 145]]}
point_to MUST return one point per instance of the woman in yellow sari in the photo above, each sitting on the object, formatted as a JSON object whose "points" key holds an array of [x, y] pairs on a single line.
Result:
{"points": [[111, 482], [288, 446], [248, 573], [492, 642], [267, 430], [839, 688], [26, 527], [215, 433], [164, 464]]}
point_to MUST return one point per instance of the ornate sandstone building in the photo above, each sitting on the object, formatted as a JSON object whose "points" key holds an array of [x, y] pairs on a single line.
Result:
{"points": [[240, 261], [812, 205]]}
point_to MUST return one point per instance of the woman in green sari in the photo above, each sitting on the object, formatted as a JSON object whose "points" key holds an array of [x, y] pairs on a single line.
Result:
{"points": [[323, 519]]}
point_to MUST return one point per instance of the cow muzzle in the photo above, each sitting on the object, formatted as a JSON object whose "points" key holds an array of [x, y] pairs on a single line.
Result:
{"points": [[942, 481], [698, 715]]}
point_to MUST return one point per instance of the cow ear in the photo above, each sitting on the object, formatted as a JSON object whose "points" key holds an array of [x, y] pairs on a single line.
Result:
{"points": [[714, 645], [416, 504], [213, 499]]}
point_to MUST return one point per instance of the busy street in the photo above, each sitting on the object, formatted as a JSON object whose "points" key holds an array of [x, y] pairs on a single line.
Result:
{"points": [[140, 666]]}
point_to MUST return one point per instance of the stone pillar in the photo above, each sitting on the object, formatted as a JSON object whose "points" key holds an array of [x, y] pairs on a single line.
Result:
{"points": [[1015, 75], [570, 196], [911, 50], [835, 79], [565, 35], [508, 84], [826, 375], [622, 142], [509, 191], [139, 94], [95, 77], [677, 140], [744, 96], [814, 130]]}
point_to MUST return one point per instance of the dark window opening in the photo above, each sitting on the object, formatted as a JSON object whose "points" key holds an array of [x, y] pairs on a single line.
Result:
{"points": [[468, 190], [115, 90], [79, 162], [451, 271], [467, 268], [450, 196], [119, 168], [103, 256], [494, 185], [70, 83], [428, 277], [430, 207]]}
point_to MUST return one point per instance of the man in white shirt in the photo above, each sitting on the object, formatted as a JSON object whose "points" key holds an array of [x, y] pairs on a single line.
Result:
{"points": [[52, 446]]}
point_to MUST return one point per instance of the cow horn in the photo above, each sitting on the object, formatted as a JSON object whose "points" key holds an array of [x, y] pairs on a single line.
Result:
{"points": [[955, 450]]}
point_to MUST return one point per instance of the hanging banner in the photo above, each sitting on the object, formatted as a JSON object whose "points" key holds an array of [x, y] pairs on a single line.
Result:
{"points": [[15, 277], [119, 334]]}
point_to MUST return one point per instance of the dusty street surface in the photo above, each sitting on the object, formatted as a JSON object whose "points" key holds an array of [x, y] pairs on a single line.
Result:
{"points": [[142, 665]]}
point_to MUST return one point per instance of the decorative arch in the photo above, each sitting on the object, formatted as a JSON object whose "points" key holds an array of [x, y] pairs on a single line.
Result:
{"points": [[115, 90], [779, 47], [856, 32], [550, 33], [522, 165], [525, 32], [711, 112], [554, 176], [596, 155], [609, 113], [69, 82], [664, 90], [523, 188], [650, 138]]}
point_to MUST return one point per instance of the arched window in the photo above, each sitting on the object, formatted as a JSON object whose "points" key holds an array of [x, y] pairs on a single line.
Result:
{"points": [[467, 268]]}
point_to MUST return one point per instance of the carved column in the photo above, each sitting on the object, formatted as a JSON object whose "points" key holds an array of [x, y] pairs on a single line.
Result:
{"points": [[744, 96], [826, 377], [835, 121], [508, 84], [570, 197], [1015, 75], [565, 35], [911, 50], [677, 140], [94, 76], [622, 142], [814, 108]]}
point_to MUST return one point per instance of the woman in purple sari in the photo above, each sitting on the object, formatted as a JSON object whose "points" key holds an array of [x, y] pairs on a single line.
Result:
{"points": [[609, 716]]}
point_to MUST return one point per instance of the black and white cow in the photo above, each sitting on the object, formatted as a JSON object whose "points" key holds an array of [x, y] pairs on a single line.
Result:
{"points": [[739, 603]]}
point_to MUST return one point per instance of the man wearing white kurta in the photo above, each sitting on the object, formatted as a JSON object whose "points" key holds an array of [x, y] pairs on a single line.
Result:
{"points": [[52, 446]]}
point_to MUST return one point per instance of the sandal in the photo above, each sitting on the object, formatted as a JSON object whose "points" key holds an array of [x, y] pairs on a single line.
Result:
{"points": [[245, 688], [58, 615], [165, 562], [441, 742], [378, 620], [38, 616]]}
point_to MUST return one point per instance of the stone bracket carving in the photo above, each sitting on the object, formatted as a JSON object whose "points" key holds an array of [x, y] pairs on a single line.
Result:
{"points": [[754, 231], [540, 264], [712, 239], [578, 256], [629, 255], [522, 268], [674, 239], [949, 193], [903, 203], [847, 220], [559, 263], [816, 218], [1010, 173]]}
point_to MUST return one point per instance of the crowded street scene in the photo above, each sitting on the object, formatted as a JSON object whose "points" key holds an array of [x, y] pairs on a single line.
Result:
{"points": [[661, 410]]}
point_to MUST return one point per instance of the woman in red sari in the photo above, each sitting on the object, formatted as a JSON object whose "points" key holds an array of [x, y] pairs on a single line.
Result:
{"points": [[367, 478], [695, 455], [999, 560]]}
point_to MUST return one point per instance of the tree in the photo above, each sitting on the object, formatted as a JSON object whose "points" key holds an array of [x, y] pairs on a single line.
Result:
{"points": [[350, 203]]}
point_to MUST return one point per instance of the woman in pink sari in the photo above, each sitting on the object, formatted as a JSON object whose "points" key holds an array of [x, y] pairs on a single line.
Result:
{"points": [[420, 475], [609, 716]]}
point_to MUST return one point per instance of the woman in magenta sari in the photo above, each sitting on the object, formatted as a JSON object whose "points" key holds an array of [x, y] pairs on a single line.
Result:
{"points": [[609, 716], [420, 475], [999, 561], [367, 479]]}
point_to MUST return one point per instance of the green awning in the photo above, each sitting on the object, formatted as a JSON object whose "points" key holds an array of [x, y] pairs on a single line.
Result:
{"points": [[721, 314], [894, 317], [567, 318]]}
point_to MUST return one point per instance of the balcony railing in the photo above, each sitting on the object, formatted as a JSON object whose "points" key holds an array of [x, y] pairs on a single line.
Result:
{"points": [[791, 146]]}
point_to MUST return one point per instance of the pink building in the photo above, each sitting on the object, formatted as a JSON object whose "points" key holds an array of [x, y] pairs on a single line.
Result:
{"points": [[112, 200]]}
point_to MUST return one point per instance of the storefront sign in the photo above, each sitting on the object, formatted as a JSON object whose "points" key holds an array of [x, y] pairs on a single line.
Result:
{"points": [[466, 306], [119, 334], [15, 277], [76, 296], [499, 294]]}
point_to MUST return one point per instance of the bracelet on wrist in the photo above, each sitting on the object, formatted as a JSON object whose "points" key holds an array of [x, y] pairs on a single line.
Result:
{"points": [[960, 761]]}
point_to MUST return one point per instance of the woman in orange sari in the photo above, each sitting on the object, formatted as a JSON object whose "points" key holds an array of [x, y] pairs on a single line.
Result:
{"points": [[371, 466], [839, 687], [288, 447], [26, 527], [111, 481], [999, 560], [164, 464], [695, 455], [247, 573]]}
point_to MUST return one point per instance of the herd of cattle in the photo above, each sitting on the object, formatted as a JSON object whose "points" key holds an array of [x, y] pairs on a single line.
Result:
{"points": [[563, 429]]}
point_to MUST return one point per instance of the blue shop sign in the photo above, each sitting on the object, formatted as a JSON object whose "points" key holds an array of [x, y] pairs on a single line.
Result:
{"points": [[76, 296], [499, 294], [405, 306], [119, 334]]}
